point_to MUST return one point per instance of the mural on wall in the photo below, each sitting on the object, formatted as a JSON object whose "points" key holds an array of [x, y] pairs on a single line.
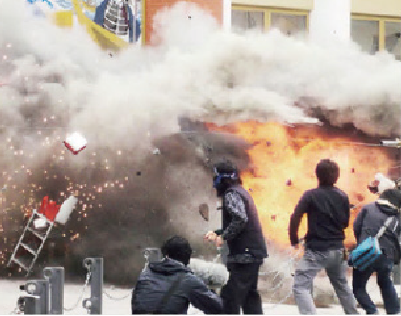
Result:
{"points": [[118, 17], [113, 24]]}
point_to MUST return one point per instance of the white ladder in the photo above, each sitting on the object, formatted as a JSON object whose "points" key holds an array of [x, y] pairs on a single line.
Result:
{"points": [[40, 234]]}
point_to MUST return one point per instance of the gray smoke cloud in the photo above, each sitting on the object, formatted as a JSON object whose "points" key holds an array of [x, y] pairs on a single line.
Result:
{"points": [[55, 81], [198, 71]]}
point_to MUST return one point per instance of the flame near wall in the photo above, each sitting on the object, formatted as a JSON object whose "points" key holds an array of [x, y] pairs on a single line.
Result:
{"points": [[282, 167]]}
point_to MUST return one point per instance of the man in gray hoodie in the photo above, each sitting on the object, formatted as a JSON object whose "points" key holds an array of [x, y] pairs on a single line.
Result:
{"points": [[367, 224]]}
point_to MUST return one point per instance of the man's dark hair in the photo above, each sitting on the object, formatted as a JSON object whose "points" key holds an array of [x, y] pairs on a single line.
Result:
{"points": [[327, 171], [225, 166], [177, 248]]}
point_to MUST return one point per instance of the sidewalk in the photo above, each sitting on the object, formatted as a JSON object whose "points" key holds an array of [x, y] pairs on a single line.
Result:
{"points": [[117, 301]]}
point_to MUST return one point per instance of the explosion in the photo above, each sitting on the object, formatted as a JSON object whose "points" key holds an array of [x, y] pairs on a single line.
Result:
{"points": [[282, 167], [140, 180]]}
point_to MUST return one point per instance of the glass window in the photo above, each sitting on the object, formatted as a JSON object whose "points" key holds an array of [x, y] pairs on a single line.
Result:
{"points": [[366, 34], [245, 20], [288, 24], [392, 40]]}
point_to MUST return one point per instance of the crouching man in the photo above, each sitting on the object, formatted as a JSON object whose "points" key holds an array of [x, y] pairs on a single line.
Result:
{"points": [[169, 286]]}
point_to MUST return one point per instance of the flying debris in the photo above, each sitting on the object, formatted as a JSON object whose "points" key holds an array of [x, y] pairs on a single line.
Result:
{"points": [[49, 208], [40, 224], [66, 209], [204, 211], [75, 143], [391, 143]]}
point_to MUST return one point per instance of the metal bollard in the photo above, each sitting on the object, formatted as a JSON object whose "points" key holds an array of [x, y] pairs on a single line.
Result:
{"points": [[39, 288], [95, 268], [55, 276], [29, 305]]}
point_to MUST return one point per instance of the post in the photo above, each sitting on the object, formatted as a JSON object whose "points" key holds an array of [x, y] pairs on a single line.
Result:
{"points": [[95, 267], [29, 305], [55, 276], [39, 288]]}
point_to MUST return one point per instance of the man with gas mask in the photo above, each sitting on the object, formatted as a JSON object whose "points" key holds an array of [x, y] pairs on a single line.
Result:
{"points": [[242, 231]]}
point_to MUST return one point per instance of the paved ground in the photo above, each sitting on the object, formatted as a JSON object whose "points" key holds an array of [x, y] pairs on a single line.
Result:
{"points": [[117, 300]]}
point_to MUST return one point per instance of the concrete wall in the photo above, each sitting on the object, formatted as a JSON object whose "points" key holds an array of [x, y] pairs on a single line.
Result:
{"points": [[227, 4], [373, 7], [150, 7], [285, 4], [330, 18], [376, 7], [327, 17]]}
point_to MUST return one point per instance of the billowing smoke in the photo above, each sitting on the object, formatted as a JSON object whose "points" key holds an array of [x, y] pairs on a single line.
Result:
{"points": [[136, 183], [199, 71]]}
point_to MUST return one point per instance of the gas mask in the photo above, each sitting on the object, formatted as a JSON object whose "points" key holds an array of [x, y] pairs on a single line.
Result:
{"points": [[219, 180]]}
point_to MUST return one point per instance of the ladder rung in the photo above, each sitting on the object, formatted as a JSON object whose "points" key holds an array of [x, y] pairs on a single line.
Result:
{"points": [[40, 215], [20, 264], [36, 233], [28, 248]]}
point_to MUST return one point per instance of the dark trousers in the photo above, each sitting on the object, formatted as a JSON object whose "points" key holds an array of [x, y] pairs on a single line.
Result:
{"points": [[241, 289], [383, 267]]}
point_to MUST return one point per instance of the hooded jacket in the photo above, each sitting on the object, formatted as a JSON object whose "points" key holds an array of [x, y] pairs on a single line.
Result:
{"points": [[371, 218], [155, 282]]}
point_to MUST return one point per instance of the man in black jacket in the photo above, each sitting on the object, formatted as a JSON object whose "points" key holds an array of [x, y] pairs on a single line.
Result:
{"points": [[367, 224], [246, 244], [328, 212], [168, 286]]}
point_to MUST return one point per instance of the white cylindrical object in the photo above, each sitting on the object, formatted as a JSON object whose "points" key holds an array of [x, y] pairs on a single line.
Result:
{"points": [[391, 143], [66, 209]]}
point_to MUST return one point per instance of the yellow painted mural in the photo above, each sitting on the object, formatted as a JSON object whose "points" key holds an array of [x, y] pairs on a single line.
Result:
{"points": [[112, 24]]}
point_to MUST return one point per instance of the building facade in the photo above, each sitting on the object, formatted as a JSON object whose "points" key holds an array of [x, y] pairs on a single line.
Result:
{"points": [[374, 25]]}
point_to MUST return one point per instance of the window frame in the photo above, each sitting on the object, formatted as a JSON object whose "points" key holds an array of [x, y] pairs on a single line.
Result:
{"points": [[269, 10], [382, 25]]}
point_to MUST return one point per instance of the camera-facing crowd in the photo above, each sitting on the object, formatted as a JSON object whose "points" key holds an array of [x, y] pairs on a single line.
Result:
{"points": [[169, 286]]}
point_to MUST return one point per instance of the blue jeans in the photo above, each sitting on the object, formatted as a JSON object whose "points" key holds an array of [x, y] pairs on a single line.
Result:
{"points": [[307, 269], [383, 267]]}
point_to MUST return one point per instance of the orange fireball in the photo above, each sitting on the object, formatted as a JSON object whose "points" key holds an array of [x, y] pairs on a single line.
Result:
{"points": [[283, 161]]}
